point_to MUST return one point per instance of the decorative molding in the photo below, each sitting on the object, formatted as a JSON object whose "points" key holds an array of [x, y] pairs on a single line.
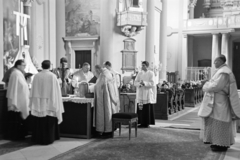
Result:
{"points": [[229, 22], [72, 44], [85, 38], [171, 31]]}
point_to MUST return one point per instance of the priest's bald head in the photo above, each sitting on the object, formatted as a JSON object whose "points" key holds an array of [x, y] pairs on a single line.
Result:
{"points": [[219, 61], [98, 70]]}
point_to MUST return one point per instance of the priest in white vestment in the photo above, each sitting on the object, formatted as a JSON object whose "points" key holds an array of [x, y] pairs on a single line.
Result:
{"points": [[220, 107], [46, 106], [18, 102], [106, 101], [146, 96], [116, 77], [82, 75]]}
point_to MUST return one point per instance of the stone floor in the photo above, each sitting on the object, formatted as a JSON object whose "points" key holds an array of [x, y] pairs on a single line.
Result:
{"points": [[186, 119]]}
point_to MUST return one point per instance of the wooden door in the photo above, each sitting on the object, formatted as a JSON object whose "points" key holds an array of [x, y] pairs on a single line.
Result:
{"points": [[236, 64], [81, 57]]}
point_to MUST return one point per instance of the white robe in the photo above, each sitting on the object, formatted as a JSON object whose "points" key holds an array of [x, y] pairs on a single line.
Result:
{"points": [[219, 128], [18, 93], [80, 76], [146, 94], [106, 102], [45, 97]]}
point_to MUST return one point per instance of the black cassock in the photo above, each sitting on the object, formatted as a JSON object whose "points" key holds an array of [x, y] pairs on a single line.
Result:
{"points": [[146, 115], [45, 130]]}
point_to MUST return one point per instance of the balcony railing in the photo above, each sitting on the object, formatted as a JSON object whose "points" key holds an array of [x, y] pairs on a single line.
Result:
{"points": [[230, 22]]}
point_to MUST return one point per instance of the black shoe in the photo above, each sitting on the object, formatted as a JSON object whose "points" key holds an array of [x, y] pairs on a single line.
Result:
{"points": [[206, 142], [143, 126], [216, 148]]}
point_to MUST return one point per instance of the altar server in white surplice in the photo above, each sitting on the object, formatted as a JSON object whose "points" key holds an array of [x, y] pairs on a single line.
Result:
{"points": [[220, 107], [145, 96], [46, 106], [18, 102]]}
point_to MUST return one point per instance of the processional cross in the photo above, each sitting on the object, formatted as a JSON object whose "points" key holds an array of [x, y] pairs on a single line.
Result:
{"points": [[21, 21]]}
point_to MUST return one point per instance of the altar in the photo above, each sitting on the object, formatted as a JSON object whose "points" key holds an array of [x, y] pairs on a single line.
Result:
{"points": [[77, 118]]}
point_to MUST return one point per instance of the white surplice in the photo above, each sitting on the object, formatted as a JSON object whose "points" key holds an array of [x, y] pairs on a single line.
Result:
{"points": [[18, 93], [45, 96], [146, 94]]}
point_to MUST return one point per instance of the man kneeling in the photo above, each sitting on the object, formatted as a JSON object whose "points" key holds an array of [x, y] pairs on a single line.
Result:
{"points": [[46, 106]]}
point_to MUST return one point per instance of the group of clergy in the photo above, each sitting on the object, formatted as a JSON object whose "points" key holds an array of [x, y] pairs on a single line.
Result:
{"points": [[44, 100]]}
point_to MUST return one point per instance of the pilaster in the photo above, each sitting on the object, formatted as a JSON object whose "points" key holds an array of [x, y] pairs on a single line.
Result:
{"points": [[163, 42], [225, 46], [215, 47], [150, 32]]}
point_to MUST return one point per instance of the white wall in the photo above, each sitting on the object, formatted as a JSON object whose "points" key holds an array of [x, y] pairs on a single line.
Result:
{"points": [[177, 58], [173, 10], [202, 49], [43, 19]]}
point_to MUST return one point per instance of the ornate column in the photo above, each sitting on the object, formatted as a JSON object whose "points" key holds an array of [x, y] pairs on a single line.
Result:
{"points": [[149, 53], [163, 41], [215, 47], [191, 7], [225, 50]]}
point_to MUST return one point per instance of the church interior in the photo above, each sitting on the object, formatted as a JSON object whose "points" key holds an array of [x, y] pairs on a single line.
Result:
{"points": [[160, 55]]}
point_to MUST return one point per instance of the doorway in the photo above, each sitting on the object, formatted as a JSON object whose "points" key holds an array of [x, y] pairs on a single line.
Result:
{"points": [[81, 57], [236, 64]]}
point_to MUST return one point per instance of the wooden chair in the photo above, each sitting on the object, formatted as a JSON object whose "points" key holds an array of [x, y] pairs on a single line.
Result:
{"points": [[130, 118]]}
